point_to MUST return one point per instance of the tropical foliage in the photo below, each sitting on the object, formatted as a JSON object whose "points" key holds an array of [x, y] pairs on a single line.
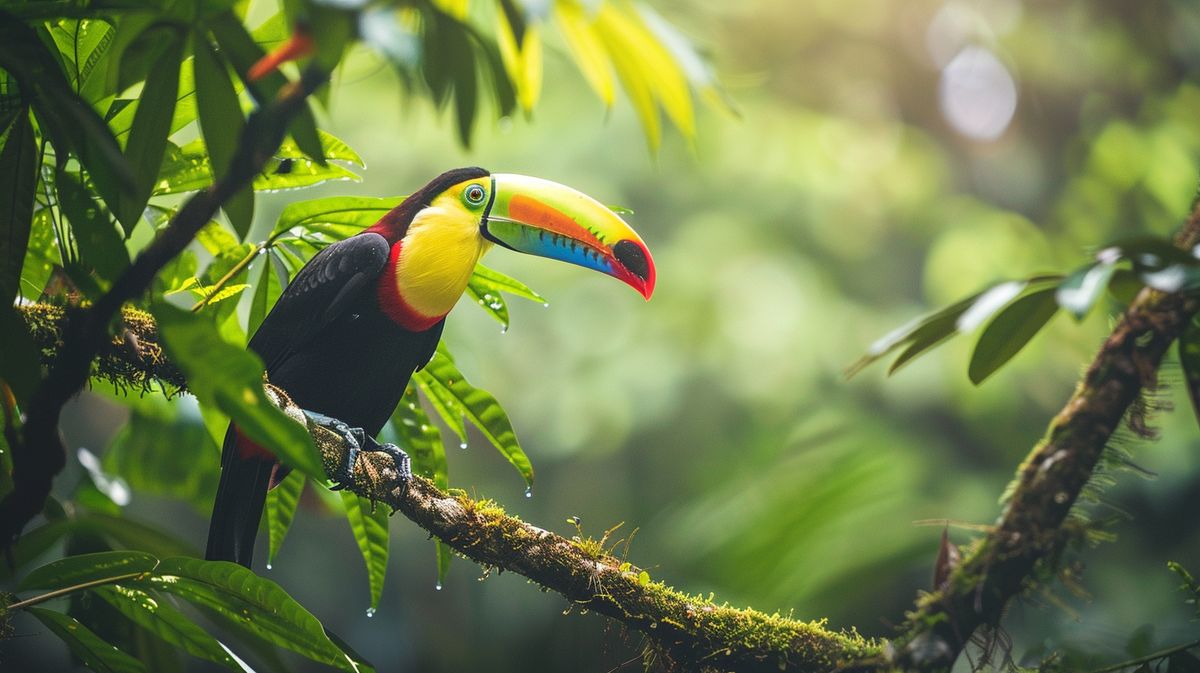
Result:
{"points": [[110, 113]]}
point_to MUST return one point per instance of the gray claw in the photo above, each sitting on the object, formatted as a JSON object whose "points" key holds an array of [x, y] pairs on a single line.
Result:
{"points": [[354, 439]]}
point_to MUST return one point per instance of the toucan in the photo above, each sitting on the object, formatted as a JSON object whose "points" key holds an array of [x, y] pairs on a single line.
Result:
{"points": [[363, 314]]}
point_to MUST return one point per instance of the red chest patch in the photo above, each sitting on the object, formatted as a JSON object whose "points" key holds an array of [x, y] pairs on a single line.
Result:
{"points": [[392, 302]]}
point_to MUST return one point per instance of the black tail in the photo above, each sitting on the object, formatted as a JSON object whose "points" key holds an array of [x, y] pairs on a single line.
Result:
{"points": [[239, 503]]}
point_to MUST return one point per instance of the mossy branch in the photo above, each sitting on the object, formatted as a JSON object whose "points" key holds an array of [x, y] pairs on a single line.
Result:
{"points": [[686, 632], [1033, 526]]}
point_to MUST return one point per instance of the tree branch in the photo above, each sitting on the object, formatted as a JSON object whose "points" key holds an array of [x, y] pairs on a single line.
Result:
{"points": [[1031, 528], [39, 455], [690, 633], [687, 632]]}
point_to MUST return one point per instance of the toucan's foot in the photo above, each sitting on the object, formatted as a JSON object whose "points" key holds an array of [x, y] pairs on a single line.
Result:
{"points": [[399, 457], [354, 438], [359, 464]]}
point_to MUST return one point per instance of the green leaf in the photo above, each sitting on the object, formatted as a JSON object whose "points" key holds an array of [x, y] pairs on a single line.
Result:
{"points": [[1010, 330], [221, 122], [66, 118], [922, 334], [93, 652], [187, 168], [32, 544], [235, 387], [18, 180], [240, 48], [216, 239], [420, 438], [163, 620], [1080, 290], [479, 407], [423, 442], [151, 125], [444, 403], [369, 524], [101, 246], [213, 295], [919, 335], [41, 255], [252, 604], [83, 568], [494, 280], [281, 509], [266, 291], [117, 530], [336, 217], [492, 304]]}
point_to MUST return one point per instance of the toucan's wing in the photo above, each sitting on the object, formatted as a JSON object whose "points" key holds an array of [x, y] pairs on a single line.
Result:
{"points": [[331, 281]]}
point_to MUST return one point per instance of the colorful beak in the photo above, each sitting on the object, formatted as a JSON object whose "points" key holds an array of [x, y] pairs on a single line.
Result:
{"points": [[544, 218]]}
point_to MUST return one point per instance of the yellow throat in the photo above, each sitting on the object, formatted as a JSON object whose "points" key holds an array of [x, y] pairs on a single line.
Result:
{"points": [[438, 255]]}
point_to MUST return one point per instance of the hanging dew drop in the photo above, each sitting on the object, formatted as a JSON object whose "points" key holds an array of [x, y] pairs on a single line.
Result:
{"points": [[438, 586], [268, 566], [528, 491], [463, 445], [546, 304], [370, 612]]}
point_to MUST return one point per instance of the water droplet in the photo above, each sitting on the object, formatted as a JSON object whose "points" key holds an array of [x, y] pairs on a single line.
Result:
{"points": [[546, 305], [528, 491], [463, 445], [268, 566], [438, 586], [504, 329], [370, 612]]}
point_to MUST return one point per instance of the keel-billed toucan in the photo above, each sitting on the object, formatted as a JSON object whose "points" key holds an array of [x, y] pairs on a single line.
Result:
{"points": [[365, 313]]}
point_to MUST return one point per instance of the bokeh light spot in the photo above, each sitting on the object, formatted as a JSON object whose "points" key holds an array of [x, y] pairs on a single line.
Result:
{"points": [[977, 94]]}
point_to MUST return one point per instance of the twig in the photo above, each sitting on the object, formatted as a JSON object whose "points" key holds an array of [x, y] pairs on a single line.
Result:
{"points": [[65, 591], [1161, 654]]}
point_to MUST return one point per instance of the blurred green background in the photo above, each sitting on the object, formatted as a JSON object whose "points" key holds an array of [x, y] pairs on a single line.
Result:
{"points": [[889, 157]]}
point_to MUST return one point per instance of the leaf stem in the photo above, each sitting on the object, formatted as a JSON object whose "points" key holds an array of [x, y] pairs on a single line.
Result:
{"points": [[1161, 654], [57, 593], [237, 268]]}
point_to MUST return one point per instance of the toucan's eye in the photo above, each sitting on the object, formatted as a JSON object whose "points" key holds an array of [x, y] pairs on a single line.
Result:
{"points": [[474, 195]]}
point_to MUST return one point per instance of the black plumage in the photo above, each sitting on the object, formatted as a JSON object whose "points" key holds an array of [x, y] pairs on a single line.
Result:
{"points": [[333, 348]]}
